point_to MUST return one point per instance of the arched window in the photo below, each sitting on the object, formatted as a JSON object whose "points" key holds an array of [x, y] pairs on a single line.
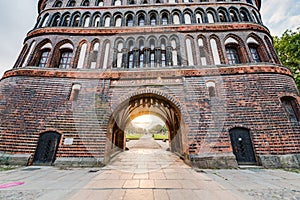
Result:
{"points": [[153, 20], [99, 3], [118, 21], [94, 55], [57, 4], [244, 16], [202, 51], [291, 108], [96, 22], [118, 3], [107, 21], [163, 53], [222, 16], [152, 53], [44, 57], [211, 86], [86, 22], [215, 52], [76, 21], [85, 3], [45, 20], [233, 16], [141, 20], [71, 3], [232, 54], [131, 2], [119, 54], [176, 19], [174, 52], [82, 56], [106, 55], [164, 19], [55, 20], [189, 52], [144, 2], [65, 58], [187, 18], [129, 20], [199, 18], [28, 54], [210, 18], [66, 20], [254, 52]]}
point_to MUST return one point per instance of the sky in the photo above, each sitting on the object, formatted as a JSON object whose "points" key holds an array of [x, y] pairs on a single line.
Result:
{"points": [[17, 18]]}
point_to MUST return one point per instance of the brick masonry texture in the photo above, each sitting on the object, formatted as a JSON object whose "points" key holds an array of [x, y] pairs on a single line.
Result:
{"points": [[31, 105]]}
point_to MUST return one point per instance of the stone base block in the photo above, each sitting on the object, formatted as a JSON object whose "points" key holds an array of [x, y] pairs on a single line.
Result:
{"points": [[221, 161], [280, 161], [78, 162], [14, 159]]}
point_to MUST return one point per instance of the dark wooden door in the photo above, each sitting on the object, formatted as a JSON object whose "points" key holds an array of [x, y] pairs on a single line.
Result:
{"points": [[47, 147], [242, 146]]}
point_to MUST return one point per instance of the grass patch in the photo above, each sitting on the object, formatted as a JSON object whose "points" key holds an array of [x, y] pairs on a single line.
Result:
{"points": [[134, 136], [7, 168], [160, 137], [292, 170]]}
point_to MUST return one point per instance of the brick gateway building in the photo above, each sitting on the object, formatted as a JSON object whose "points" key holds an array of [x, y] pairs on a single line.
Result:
{"points": [[206, 67]]}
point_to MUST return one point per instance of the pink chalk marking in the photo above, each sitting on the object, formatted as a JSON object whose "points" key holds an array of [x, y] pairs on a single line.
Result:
{"points": [[8, 185]]}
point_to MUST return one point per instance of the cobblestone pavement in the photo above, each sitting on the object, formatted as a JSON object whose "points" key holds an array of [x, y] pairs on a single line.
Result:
{"points": [[146, 173]]}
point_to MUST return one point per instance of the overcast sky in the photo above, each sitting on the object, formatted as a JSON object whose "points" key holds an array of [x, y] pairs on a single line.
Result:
{"points": [[18, 17]]}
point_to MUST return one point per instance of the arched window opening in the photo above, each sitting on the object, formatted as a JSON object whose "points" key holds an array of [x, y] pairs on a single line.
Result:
{"points": [[163, 53], [86, 22], [144, 2], [65, 58], [215, 52], [187, 18], [153, 20], [106, 56], [118, 21], [199, 18], [118, 3], [232, 54], [129, 21], [174, 52], [76, 21], [164, 19], [119, 54], [107, 21], [45, 20], [141, 59], [291, 108], [176, 19], [210, 18], [55, 20], [141, 21], [152, 53], [202, 52], [249, 1], [189, 52], [82, 56], [44, 57], [233, 16], [96, 22], [131, 2], [99, 3], [254, 53], [71, 3], [244, 16], [86, 3], [28, 56], [66, 20], [94, 55], [211, 86], [74, 95], [222, 17], [57, 4]]}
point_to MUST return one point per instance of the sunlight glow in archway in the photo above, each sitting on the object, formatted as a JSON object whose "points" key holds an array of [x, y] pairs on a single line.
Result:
{"points": [[146, 121]]}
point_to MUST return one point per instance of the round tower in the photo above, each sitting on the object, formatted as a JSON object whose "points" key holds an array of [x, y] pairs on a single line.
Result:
{"points": [[207, 68]]}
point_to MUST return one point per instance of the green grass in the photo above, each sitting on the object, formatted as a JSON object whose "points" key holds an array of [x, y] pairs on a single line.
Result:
{"points": [[6, 168], [134, 136], [292, 170], [160, 137]]}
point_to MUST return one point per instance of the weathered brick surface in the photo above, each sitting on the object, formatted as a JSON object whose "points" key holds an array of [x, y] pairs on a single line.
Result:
{"points": [[31, 105]]}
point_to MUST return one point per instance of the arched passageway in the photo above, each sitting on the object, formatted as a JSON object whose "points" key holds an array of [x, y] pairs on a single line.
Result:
{"points": [[142, 104]]}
